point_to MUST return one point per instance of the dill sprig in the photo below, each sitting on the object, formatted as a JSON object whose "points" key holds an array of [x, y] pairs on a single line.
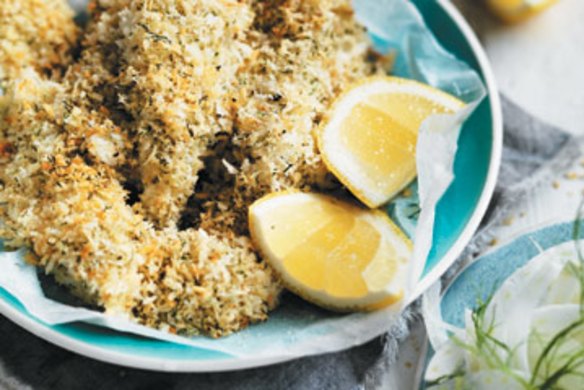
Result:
{"points": [[487, 348], [570, 364]]}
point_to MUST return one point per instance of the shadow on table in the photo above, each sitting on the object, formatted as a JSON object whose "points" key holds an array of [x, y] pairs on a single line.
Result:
{"points": [[36, 363]]}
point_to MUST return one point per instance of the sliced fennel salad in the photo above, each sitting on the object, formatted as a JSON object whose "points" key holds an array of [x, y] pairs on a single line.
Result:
{"points": [[528, 335]]}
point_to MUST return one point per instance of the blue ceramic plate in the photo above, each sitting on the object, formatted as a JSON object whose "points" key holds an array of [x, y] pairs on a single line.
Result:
{"points": [[488, 273], [457, 216]]}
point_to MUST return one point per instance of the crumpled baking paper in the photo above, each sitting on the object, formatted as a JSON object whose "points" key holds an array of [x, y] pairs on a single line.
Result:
{"points": [[297, 328]]}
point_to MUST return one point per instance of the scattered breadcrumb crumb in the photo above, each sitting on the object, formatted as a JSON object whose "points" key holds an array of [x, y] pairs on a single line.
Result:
{"points": [[571, 176], [406, 193]]}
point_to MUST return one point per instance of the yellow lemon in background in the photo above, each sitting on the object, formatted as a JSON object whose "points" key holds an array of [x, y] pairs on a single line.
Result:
{"points": [[513, 11]]}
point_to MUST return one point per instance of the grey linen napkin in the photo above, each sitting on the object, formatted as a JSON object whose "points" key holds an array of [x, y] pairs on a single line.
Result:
{"points": [[533, 152]]}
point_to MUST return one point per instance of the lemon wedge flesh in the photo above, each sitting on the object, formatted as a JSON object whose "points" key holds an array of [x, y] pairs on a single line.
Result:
{"points": [[369, 140], [332, 253]]}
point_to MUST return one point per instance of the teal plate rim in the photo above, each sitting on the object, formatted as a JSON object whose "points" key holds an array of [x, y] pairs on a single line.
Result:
{"points": [[451, 234]]}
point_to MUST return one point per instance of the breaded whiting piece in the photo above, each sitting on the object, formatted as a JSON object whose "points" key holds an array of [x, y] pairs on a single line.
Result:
{"points": [[71, 210], [167, 67], [305, 53], [130, 178], [35, 33]]}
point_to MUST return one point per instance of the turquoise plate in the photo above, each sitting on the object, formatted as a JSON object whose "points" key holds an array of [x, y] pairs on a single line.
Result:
{"points": [[457, 217], [487, 274]]}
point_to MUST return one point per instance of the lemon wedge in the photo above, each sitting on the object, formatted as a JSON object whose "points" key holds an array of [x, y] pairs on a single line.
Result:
{"points": [[369, 139], [332, 253], [513, 11]]}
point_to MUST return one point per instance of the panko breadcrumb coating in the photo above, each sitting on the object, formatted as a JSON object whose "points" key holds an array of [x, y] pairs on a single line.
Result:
{"points": [[35, 33], [131, 177]]}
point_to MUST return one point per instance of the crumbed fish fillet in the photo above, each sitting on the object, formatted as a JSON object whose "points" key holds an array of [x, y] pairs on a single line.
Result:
{"points": [[71, 210], [164, 68], [130, 178]]}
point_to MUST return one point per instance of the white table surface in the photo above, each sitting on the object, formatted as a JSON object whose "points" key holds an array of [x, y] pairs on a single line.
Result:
{"points": [[540, 65]]}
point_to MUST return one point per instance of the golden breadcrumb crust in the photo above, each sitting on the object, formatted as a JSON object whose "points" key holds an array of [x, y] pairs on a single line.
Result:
{"points": [[35, 33], [130, 178]]}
